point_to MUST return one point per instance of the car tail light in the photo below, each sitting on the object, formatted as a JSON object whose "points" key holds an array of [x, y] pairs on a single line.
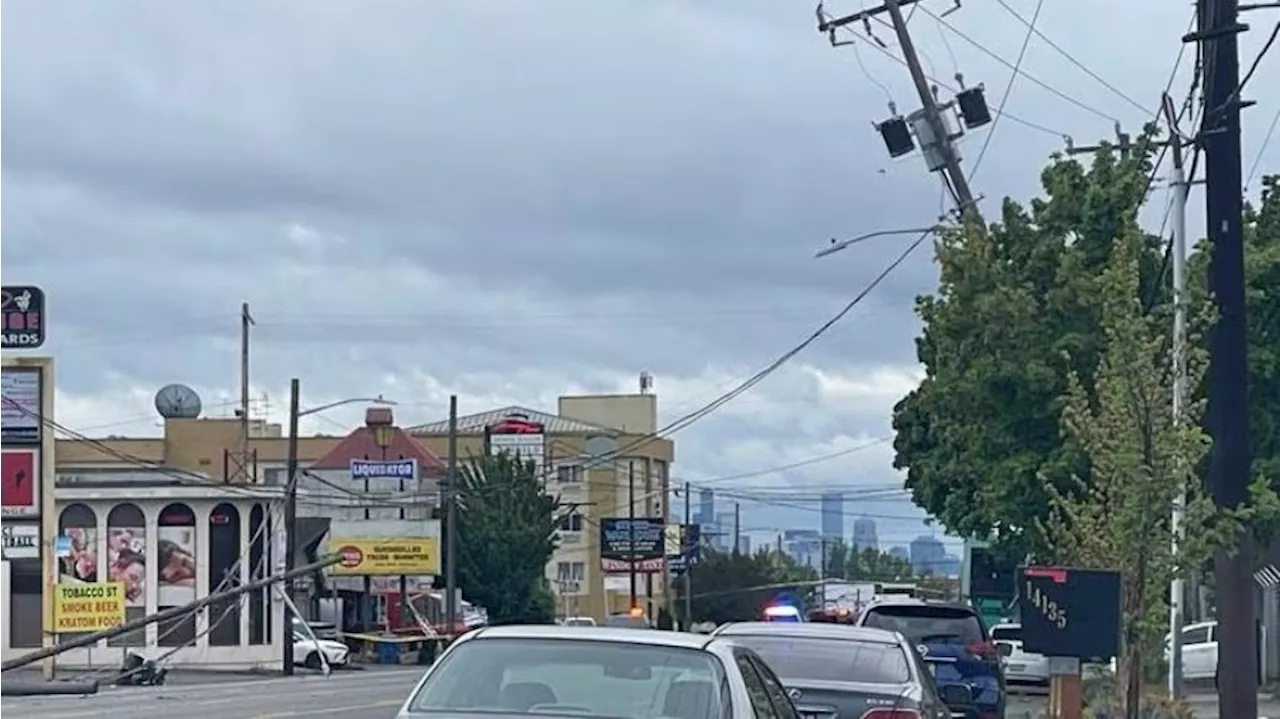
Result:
{"points": [[893, 714], [985, 650]]}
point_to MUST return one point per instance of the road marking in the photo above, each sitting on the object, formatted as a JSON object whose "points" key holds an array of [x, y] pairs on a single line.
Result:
{"points": [[330, 710]]}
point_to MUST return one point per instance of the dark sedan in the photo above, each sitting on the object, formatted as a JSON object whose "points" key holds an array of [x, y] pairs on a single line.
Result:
{"points": [[834, 671]]}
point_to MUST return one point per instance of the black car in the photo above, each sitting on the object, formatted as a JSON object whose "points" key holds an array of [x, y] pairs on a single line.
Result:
{"points": [[954, 644], [833, 671]]}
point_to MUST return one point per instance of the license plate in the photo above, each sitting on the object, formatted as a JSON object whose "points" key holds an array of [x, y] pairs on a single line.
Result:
{"points": [[1017, 667]]}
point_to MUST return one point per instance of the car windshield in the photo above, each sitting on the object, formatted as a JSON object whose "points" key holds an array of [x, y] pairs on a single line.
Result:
{"points": [[831, 660], [928, 624], [1006, 634], [577, 677]]}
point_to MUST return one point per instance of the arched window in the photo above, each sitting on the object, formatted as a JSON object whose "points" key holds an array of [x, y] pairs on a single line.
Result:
{"points": [[223, 574], [127, 564], [79, 525], [175, 572], [258, 610]]}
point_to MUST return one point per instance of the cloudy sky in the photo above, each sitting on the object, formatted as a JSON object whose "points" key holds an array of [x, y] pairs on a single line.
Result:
{"points": [[514, 200]]}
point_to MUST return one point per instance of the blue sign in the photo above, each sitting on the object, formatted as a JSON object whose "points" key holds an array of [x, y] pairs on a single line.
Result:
{"points": [[62, 546], [690, 548], [394, 469]]}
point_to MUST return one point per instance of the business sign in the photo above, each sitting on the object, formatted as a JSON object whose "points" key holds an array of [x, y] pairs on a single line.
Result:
{"points": [[21, 541], [683, 545], [1070, 612], [88, 607], [382, 556], [392, 469], [21, 317], [519, 436], [20, 406], [19, 483], [633, 544]]}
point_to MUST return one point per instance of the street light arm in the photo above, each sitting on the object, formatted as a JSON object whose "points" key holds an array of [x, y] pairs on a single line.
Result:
{"points": [[379, 400], [836, 246]]}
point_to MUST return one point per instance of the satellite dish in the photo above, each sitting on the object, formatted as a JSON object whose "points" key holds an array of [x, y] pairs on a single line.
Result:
{"points": [[178, 401]]}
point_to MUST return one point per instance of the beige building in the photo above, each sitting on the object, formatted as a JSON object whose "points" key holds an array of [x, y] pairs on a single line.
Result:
{"points": [[590, 487]]}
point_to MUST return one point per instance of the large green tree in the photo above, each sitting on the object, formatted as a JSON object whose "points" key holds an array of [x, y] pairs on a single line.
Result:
{"points": [[506, 535], [728, 586], [1014, 317], [865, 564]]}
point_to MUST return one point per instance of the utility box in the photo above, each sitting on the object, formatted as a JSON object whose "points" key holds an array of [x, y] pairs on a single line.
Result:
{"points": [[1068, 612]]}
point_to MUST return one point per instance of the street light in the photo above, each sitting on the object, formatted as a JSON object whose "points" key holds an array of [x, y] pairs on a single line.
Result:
{"points": [[291, 505], [836, 246]]}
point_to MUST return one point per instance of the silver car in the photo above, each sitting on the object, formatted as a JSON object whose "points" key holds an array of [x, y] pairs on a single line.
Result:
{"points": [[557, 672]]}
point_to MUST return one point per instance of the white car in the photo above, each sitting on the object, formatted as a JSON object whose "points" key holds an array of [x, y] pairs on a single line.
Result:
{"points": [[578, 622], [1020, 666], [309, 652]]}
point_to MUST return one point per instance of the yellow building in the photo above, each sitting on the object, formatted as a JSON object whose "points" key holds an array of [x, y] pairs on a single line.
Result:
{"points": [[575, 443]]}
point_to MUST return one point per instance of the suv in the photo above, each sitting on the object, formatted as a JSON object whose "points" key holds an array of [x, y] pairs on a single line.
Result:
{"points": [[953, 643]]}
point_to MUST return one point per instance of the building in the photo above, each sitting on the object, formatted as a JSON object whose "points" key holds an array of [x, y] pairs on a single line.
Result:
{"points": [[804, 546], [584, 429], [744, 544], [832, 504], [864, 534], [900, 552], [706, 513], [927, 554]]}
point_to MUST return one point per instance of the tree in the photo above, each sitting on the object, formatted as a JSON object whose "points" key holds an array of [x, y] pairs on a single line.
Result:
{"points": [[864, 564], [730, 587], [1139, 462], [506, 535]]}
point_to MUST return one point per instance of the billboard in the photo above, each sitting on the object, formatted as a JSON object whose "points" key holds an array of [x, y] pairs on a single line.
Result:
{"points": [[390, 469], [88, 607], [385, 556], [1070, 612], [518, 435], [633, 544], [19, 483], [20, 406], [21, 541], [22, 318]]}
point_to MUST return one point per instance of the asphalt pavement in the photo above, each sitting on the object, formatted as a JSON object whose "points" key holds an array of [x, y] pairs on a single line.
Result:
{"points": [[343, 695]]}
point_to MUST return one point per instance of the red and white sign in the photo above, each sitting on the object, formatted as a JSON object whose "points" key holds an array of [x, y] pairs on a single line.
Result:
{"points": [[20, 483]]}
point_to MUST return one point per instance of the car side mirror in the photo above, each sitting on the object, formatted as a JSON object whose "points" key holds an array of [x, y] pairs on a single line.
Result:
{"points": [[1004, 650]]}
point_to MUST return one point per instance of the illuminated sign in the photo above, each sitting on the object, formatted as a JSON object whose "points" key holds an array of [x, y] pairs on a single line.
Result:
{"points": [[22, 318]]}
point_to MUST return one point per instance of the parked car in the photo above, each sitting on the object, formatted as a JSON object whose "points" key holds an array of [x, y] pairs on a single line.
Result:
{"points": [[634, 619], [954, 643], [307, 652], [1020, 666], [834, 670], [578, 622], [561, 672]]}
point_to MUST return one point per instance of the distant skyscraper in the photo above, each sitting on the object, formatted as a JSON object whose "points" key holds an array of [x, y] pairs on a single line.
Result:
{"points": [[900, 552], [804, 546], [833, 515], [864, 534], [927, 555], [706, 507], [723, 539], [744, 544]]}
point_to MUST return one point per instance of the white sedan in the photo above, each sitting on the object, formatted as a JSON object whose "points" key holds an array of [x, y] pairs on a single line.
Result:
{"points": [[315, 653], [1020, 667]]}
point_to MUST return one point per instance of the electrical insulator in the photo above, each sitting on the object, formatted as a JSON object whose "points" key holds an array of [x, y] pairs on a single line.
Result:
{"points": [[897, 136], [973, 107]]}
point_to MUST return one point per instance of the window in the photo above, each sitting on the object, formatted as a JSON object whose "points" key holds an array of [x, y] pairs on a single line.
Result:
{"points": [[924, 623], [175, 573], [569, 474], [222, 573], [79, 524], [830, 659], [571, 522], [1195, 635], [1007, 634], [777, 694], [571, 571], [127, 563], [512, 675], [760, 704]]}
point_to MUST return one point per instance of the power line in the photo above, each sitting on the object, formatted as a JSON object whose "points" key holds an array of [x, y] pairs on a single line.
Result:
{"points": [[1032, 29], [1266, 140], [1008, 88]]}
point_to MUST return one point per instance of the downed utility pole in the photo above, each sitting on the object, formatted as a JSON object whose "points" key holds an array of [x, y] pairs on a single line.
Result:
{"points": [[195, 606]]}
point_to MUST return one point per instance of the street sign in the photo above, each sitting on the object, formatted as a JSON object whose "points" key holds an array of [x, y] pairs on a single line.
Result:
{"points": [[1069, 612]]}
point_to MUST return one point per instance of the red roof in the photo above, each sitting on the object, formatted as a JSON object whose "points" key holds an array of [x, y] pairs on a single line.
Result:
{"points": [[360, 445]]}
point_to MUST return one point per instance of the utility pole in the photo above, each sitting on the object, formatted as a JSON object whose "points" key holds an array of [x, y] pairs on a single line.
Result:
{"points": [[1123, 143], [243, 474], [688, 559], [631, 518], [290, 528], [1228, 391], [737, 527], [450, 497], [930, 127], [1177, 587]]}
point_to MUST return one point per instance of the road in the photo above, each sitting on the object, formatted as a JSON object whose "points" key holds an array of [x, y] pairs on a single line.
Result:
{"points": [[1034, 704], [344, 695]]}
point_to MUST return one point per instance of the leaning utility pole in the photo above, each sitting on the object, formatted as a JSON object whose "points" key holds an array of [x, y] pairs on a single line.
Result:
{"points": [[928, 124], [290, 528], [1177, 587], [1227, 413]]}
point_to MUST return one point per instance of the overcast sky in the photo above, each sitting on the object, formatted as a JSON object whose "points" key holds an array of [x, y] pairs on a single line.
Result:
{"points": [[513, 200]]}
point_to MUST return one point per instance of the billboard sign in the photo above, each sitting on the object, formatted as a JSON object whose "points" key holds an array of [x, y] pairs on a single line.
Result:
{"points": [[21, 541], [22, 317], [1070, 612], [385, 556], [632, 544], [20, 406], [519, 436], [20, 483], [393, 469], [683, 545], [88, 607]]}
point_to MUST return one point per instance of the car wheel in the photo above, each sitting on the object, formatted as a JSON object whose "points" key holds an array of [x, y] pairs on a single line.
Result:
{"points": [[312, 661]]}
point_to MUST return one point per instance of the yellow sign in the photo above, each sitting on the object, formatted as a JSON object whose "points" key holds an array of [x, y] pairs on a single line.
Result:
{"points": [[88, 607], [370, 556]]}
